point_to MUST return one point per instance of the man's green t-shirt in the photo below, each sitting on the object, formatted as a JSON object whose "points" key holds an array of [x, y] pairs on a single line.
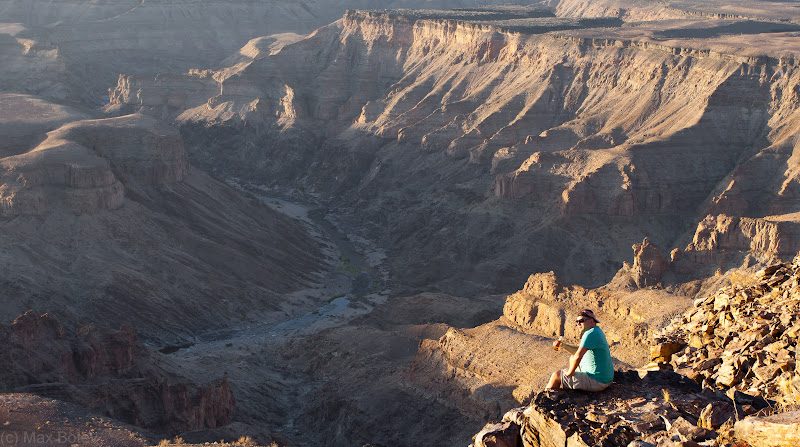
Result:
{"points": [[597, 360]]}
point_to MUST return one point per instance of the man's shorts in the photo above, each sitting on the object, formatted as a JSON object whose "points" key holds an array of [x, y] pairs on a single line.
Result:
{"points": [[581, 381]]}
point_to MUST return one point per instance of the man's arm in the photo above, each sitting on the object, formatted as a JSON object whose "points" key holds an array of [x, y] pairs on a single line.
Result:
{"points": [[575, 360], [569, 348]]}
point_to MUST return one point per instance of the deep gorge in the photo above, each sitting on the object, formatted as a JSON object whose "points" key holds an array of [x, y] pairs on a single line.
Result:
{"points": [[492, 153], [477, 176]]}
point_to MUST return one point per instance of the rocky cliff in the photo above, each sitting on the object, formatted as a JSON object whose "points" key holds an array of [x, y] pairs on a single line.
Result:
{"points": [[108, 371], [105, 220], [511, 143], [83, 163]]}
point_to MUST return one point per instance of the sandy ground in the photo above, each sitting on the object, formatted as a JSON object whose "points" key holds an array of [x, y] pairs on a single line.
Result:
{"points": [[30, 420]]}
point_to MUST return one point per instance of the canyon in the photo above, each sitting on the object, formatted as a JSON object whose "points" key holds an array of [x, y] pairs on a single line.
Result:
{"points": [[349, 226], [536, 149]]}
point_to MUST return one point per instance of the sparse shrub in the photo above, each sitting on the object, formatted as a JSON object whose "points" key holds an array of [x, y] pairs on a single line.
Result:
{"points": [[336, 296], [246, 441], [163, 443]]}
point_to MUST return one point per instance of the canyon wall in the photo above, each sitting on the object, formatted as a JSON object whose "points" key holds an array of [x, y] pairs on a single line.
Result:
{"points": [[481, 150], [79, 164], [647, 10], [105, 220], [108, 371]]}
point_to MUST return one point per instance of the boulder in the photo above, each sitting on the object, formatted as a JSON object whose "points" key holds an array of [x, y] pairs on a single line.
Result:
{"points": [[503, 434], [715, 414], [664, 351], [687, 431]]}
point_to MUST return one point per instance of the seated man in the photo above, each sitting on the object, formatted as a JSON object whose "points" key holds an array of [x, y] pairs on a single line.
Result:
{"points": [[592, 355]]}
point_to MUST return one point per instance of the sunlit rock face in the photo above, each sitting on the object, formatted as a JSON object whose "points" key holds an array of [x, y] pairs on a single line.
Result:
{"points": [[78, 165], [490, 148]]}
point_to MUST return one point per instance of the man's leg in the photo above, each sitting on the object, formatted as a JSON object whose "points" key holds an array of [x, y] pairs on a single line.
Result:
{"points": [[555, 381]]}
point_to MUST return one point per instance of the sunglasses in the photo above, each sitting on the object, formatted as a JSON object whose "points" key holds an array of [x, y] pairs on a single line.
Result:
{"points": [[580, 320]]}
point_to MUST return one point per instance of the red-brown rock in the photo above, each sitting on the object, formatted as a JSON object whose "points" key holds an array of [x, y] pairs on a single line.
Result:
{"points": [[108, 371]]}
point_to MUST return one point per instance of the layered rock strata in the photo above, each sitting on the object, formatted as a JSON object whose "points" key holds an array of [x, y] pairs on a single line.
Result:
{"points": [[81, 165], [729, 241], [581, 140], [653, 9], [76, 49], [25, 121], [106, 221]]}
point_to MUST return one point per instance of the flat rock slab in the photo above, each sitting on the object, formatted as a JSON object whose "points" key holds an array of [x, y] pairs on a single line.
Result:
{"points": [[780, 430]]}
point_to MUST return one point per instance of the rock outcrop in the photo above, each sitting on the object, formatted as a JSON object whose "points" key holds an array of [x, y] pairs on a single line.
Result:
{"points": [[735, 379], [547, 307], [647, 269], [83, 165], [726, 241], [108, 371], [656, 408], [734, 356], [139, 149], [504, 363]]}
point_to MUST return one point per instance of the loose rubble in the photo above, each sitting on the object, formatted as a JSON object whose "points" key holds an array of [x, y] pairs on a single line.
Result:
{"points": [[743, 337], [653, 408]]}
